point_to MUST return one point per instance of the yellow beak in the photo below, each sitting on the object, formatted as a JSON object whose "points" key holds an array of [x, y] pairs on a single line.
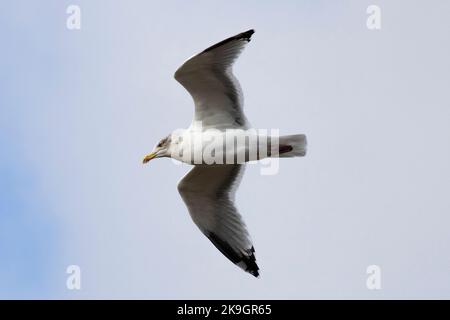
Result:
{"points": [[149, 157]]}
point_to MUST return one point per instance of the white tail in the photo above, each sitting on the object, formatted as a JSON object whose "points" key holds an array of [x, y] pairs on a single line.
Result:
{"points": [[292, 146]]}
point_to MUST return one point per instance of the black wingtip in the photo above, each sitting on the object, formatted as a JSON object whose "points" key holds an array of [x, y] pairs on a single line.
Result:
{"points": [[254, 272], [246, 262], [250, 262], [247, 35]]}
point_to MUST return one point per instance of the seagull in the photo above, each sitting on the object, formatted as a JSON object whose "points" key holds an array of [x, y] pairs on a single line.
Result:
{"points": [[208, 190]]}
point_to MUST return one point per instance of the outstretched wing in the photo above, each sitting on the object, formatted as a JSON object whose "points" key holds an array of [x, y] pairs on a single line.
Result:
{"points": [[208, 192], [209, 79]]}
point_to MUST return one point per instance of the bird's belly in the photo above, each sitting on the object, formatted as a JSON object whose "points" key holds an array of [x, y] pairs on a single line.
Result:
{"points": [[230, 147]]}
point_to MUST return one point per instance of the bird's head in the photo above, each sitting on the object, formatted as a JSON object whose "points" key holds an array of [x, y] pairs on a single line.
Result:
{"points": [[162, 149]]}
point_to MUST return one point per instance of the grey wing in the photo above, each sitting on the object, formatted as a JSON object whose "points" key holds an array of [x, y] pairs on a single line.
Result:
{"points": [[208, 192], [209, 79]]}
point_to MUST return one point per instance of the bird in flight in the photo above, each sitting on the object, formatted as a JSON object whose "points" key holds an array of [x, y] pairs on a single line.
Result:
{"points": [[208, 189]]}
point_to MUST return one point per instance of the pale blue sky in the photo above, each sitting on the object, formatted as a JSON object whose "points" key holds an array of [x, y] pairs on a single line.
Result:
{"points": [[79, 109]]}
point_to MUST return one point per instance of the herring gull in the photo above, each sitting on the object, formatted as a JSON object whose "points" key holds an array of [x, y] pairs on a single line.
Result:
{"points": [[208, 189]]}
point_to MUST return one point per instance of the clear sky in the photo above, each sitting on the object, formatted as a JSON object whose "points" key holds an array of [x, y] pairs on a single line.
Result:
{"points": [[79, 109]]}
